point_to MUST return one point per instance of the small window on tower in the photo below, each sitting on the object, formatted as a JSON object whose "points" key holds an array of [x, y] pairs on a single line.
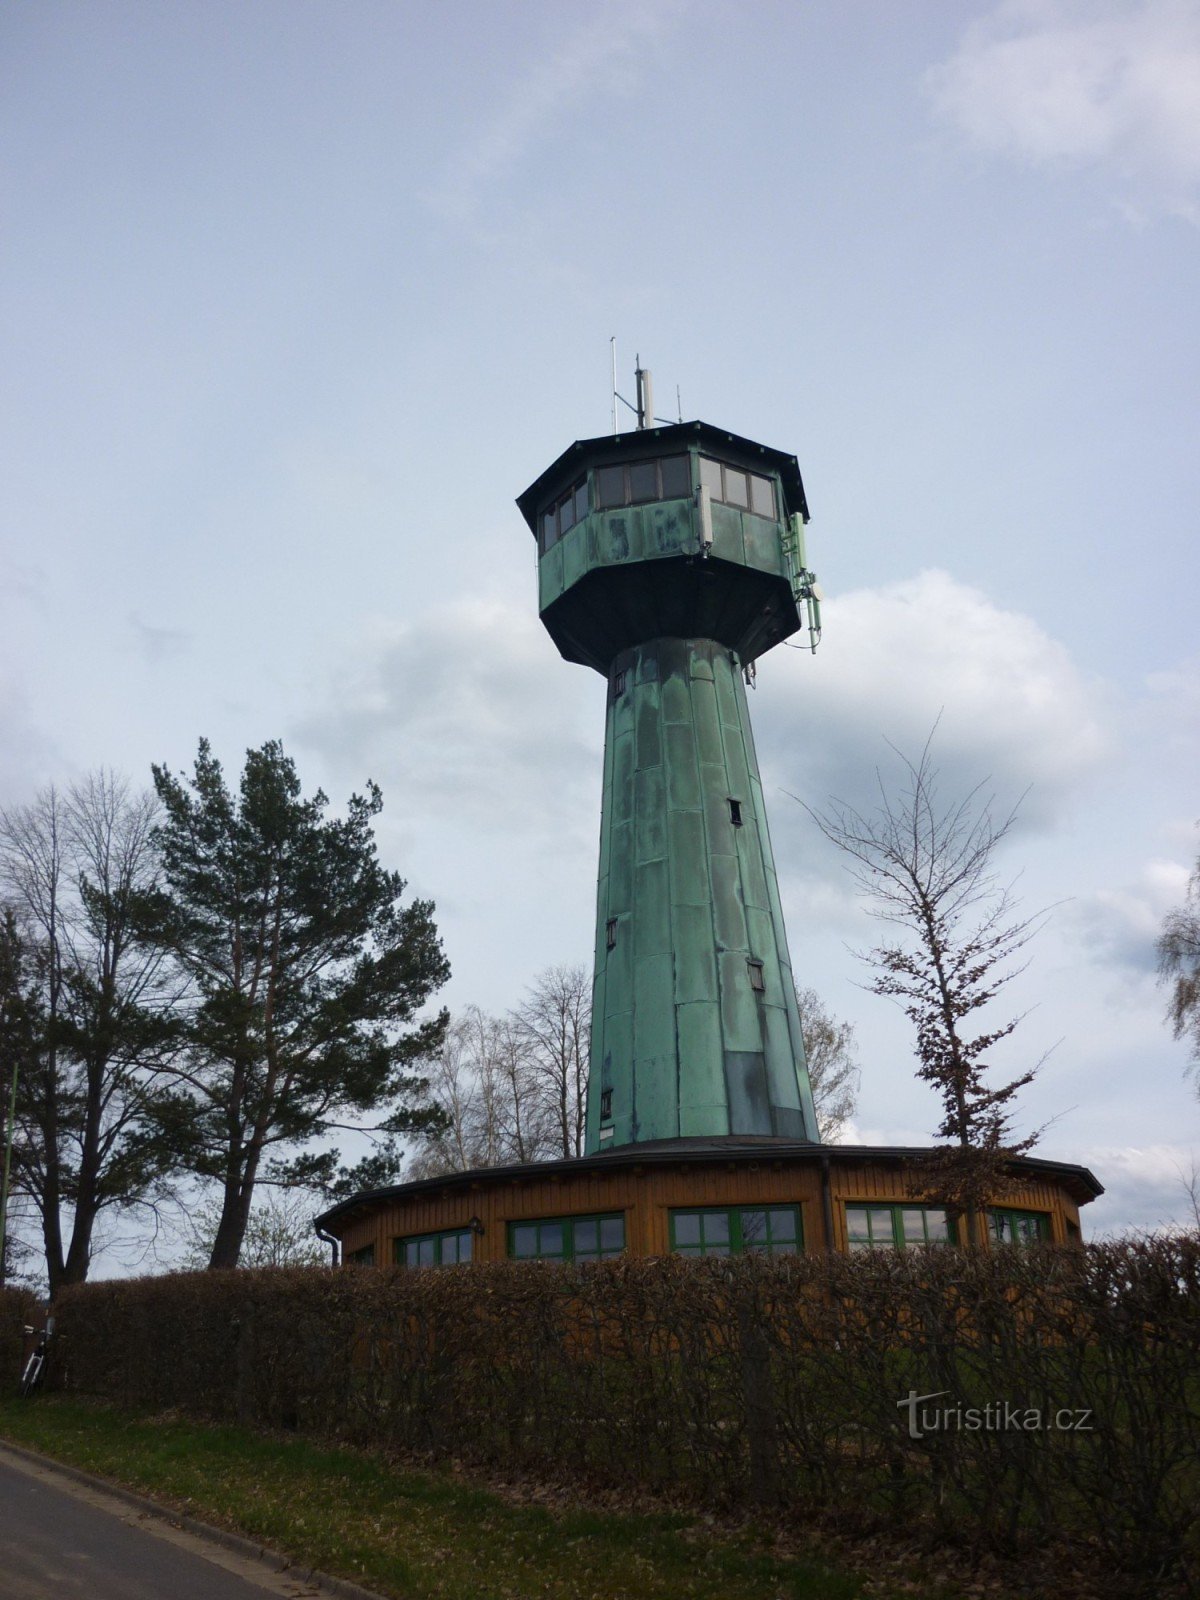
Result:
{"points": [[566, 513], [676, 477], [581, 501], [605, 1105], [757, 981], [611, 933], [549, 528], [643, 481], [735, 813], [610, 487], [619, 683], [762, 496], [737, 490]]}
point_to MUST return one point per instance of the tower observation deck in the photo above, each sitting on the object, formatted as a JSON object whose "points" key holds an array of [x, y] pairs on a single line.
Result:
{"points": [[669, 559]]}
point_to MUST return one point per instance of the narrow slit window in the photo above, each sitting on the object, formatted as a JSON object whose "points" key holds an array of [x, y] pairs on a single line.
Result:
{"points": [[605, 1105], [619, 683], [735, 812], [610, 934], [757, 981]]}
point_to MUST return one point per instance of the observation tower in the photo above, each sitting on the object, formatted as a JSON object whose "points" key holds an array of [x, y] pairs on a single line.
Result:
{"points": [[670, 559]]}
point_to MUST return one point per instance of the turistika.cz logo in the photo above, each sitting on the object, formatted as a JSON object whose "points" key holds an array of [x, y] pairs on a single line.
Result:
{"points": [[997, 1416]]}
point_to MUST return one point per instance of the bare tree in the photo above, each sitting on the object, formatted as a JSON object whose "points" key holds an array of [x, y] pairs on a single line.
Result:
{"points": [[491, 1097], [71, 866], [555, 1022], [927, 869], [833, 1071], [1179, 964]]}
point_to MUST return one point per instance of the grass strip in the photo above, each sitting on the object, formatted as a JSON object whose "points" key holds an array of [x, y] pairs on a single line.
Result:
{"points": [[416, 1535]]}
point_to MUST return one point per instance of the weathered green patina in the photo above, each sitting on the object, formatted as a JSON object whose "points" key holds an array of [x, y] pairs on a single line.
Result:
{"points": [[695, 1029]]}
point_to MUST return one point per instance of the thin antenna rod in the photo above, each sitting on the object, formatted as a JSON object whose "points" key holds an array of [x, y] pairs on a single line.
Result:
{"points": [[678, 403], [612, 345]]}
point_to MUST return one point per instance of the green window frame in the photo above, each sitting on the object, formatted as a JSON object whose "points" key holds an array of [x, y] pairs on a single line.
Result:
{"points": [[448, 1248], [870, 1226], [768, 1230], [363, 1257], [1008, 1226], [596, 1237]]}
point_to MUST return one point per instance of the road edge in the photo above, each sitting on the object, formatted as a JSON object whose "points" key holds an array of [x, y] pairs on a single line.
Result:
{"points": [[250, 1549]]}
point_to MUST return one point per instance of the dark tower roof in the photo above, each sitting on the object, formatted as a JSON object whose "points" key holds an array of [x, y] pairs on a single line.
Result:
{"points": [[650, 441]]}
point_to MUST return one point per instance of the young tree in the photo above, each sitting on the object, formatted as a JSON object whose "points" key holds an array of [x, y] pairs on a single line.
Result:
{"points": [[306, 976], [927, 867], [1179, 964], [554, 1024], [832, 1068], [279, 1232], [73, 867]]}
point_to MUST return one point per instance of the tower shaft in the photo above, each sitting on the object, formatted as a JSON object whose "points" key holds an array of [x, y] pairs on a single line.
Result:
{"points": [[695, 1029]]}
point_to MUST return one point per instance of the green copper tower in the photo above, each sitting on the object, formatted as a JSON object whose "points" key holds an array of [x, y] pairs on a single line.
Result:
{"points": [[670, 559]]}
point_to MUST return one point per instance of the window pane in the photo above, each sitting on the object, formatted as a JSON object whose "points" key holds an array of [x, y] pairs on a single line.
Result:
{"points": [[410, 1253], [754, 1227], [937, 1226], [913, 1223], [716, 1227], [466, 1247], [610, 486], [716, 1249], [856, 1223], [587, 1237], [784, 1247], [566, 513], [551, 1241], [710, 476], [612, 1233], [762, 495], [425, 1252], [881, 1224], [676, 477], [736, 491], [687, 1227], [581, 501], [525, 1239], [783, 1223], [549, 528], [643, 480], [449, 1244]]}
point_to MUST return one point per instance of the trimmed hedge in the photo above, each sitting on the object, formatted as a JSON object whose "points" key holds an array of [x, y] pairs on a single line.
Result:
{"points": [[752, 1381], [19, 1308]]}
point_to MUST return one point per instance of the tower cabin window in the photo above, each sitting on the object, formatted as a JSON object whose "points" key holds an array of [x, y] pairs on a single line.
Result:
{"points": [[734, 486], [562, 516], [757, 980], [735, 812], [633, 483]]}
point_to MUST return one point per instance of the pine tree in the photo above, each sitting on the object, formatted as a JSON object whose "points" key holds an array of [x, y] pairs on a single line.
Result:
{"points": [[305, 976]]}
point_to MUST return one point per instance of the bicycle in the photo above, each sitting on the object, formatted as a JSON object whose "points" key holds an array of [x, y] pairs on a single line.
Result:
{"points": [[36, 1365]]}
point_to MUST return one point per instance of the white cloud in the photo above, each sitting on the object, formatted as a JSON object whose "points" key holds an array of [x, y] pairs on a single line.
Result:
{"points": [[468, 714], [1121, 925], [1114, 85], [1014, 707], [1146, 1186]]}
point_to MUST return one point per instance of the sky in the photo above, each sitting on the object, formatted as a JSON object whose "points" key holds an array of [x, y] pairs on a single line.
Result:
{"points": [[297, 298]]}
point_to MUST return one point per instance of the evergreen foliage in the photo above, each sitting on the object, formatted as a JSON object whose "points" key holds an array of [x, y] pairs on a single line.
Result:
{"points": [[305, 975]]}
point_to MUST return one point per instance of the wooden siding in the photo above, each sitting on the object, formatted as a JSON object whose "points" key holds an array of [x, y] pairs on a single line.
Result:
{"points": [[646, 1195]]}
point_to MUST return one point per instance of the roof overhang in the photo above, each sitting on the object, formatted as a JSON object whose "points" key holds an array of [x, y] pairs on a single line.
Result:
{"points": [[1079, 1182]]}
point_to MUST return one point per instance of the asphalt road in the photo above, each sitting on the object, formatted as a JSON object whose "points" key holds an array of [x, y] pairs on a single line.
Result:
{"points": [[62, 1540]]}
